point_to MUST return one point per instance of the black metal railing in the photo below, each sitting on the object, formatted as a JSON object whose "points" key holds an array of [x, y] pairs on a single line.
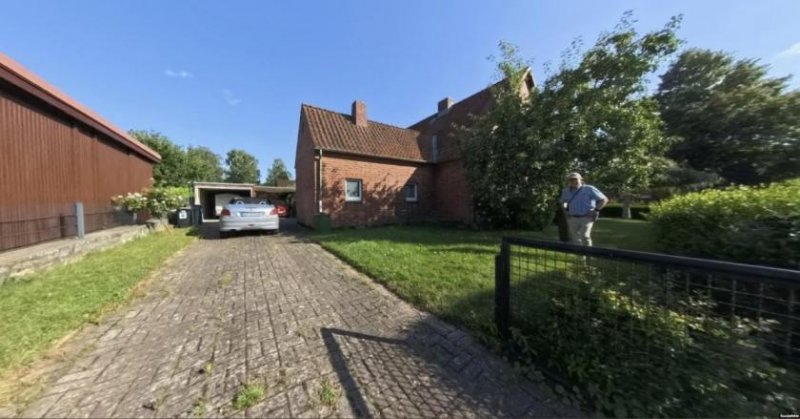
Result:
{"points": [[643, 334]]}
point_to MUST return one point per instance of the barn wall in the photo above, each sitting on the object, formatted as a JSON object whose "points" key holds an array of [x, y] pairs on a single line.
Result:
{"points": [[48, 162]]}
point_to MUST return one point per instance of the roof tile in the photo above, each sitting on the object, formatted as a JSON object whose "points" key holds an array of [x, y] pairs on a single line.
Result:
{"points": [[337, 132]]}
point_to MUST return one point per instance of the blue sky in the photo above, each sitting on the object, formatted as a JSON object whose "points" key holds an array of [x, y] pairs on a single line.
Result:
{"points": [[233, 74]]}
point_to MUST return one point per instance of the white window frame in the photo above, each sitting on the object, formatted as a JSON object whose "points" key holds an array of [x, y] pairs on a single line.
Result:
{"points": [[348, 198], [416, 192]]}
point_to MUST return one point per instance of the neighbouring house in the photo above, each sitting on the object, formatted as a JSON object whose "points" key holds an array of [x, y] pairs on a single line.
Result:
{"points": [[54, 153], [361, 172]]}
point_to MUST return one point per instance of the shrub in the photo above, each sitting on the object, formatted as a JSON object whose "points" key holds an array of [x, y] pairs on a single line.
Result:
{"points": [[162, 201], [132, 202], [632, 350], [758, 225], [159, 201]]}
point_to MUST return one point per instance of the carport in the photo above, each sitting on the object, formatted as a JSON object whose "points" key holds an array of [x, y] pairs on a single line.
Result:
{"points": [[210, 196]]}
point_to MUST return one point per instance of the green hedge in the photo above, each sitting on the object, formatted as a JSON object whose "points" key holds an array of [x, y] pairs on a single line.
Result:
{"points": [[758, 225], [638, 212]]}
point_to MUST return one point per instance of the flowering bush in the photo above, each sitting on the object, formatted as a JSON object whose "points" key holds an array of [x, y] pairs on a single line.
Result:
{"points": [[131, 202], [162, 201], [158, 201]]}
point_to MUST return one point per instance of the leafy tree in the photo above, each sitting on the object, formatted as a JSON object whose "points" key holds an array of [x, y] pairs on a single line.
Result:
{"points": [[495, 150], [204, 165], [730, 117], [277, 172], [242, 167], [675, 179], [172, 170], [592, 116]]}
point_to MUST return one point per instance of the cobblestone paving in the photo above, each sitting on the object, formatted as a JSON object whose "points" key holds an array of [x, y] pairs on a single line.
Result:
{"points": [[280, 312]]}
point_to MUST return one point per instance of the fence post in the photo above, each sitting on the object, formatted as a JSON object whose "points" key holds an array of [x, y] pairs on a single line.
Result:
{"points": [[79, 219], [502, 293]]}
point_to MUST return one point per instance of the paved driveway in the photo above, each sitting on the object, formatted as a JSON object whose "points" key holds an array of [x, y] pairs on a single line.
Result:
{"points": [[280, 312]]}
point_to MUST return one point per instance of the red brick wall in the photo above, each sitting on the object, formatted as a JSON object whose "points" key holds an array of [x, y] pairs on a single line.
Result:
{"points": [[453, 200], [383, 194], [306, 175]]}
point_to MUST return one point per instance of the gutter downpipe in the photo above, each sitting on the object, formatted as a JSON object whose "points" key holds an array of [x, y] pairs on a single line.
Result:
{"points": [[319, 182]]}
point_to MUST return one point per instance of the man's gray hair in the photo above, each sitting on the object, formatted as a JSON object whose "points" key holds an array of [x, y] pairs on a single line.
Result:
{"points": [[574, 175]]}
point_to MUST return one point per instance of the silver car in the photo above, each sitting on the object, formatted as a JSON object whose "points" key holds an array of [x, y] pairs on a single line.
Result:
{"points": [[241, 214]]}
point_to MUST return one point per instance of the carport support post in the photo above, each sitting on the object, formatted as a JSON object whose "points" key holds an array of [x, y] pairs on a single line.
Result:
{"points": [[79, 219]]}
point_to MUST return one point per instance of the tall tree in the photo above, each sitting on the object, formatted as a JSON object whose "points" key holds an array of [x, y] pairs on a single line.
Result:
{"points": [[242, 167], [277, 172], [204, 165], [730, 118], [172, 170], [591, 116]]}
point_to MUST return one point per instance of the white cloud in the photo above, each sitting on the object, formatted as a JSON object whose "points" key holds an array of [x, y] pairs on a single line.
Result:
{"points": [[182, 74], [230, 98], [792, 51]]}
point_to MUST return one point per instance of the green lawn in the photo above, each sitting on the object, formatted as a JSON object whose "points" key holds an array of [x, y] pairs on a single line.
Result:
{"points": [[40, 309], [449, 271]]}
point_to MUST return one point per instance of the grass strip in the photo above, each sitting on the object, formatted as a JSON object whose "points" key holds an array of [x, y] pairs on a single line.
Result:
{"points": [[45, 306]]}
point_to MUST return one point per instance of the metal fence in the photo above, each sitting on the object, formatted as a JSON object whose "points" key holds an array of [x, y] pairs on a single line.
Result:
{"points": [[644, 334], [74, 221]]}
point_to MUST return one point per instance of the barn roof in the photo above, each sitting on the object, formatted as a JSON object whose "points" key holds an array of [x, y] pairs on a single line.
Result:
{"points": [[14, 73]]}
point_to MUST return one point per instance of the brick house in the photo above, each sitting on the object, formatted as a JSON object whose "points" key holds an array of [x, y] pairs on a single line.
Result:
{"points": [[363, 172]]}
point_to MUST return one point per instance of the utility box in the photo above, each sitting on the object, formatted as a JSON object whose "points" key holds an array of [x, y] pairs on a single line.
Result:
{"points": [[322, 223]]}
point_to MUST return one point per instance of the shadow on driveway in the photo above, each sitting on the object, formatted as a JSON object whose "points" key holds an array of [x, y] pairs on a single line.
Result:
{"points": [[432, 370]]}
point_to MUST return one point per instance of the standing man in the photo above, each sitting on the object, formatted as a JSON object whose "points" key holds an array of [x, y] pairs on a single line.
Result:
{"points": [[581, 204]]}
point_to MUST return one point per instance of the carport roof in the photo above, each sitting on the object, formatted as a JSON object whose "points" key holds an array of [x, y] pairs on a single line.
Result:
{"points": [[223, 185], [251, 186], [275, 189]]}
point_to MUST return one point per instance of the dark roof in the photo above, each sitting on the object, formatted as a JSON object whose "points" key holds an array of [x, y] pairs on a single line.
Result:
{"points": [[24, 79], [334, 131], [460, 113], [444, 126]]}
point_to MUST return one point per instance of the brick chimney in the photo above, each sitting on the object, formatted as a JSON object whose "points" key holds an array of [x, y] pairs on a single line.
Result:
{"points": [[360, 113], [445, 104]]}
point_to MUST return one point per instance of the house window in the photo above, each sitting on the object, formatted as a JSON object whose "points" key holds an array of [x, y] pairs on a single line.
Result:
{"points": [[411, 192], [352, 190]]}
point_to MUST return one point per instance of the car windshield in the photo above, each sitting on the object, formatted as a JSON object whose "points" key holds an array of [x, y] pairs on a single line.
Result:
{"points": [[250, 201]]}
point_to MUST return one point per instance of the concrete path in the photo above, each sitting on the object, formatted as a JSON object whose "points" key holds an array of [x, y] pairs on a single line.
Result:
{"points": [[280, 312]]}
